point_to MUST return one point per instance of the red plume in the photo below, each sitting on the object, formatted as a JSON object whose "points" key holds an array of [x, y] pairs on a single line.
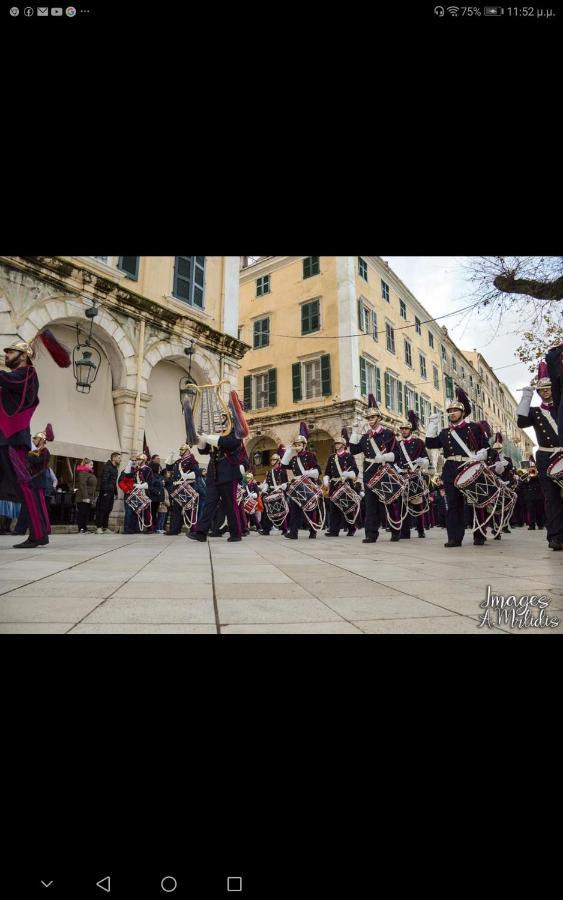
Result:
{"points": [[304, 431], [463, 398], [240, 425], [345, 436], [49, 433], [372, 402], [543, 370], [57, 351]]}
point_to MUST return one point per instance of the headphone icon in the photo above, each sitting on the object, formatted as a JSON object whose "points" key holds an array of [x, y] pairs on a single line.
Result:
{"points": [[438, 10]]}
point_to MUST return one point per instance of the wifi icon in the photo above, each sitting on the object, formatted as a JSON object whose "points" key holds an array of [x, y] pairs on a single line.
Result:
{"points": [[453, 10]]}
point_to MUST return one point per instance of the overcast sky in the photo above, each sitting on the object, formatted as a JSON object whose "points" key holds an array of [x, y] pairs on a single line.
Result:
{"points": [[438, 282]]}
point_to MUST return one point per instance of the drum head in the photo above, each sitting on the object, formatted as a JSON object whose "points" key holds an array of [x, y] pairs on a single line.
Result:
{"points": [[468, 474]]}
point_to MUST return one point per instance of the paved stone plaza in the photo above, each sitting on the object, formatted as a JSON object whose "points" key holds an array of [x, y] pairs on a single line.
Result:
{"points": [[137, 584]]}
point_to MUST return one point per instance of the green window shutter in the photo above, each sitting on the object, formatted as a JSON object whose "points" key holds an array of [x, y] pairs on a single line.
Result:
{"points": [[305, 319], [359, 315], [296, 381], [363, 379], [325, 375], [387, 392], [272, 387], [247, 392], [400, 396], [378, 384], [417, 404]]}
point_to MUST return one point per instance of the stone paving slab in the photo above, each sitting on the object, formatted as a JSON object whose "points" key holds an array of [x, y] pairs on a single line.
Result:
{"points": [[138, 584]]}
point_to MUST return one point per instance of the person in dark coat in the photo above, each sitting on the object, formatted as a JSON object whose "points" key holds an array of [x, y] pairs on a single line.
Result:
{"points": [[87, 483], [533, 498], [19, 389], [341, 466], [185, 469], [302, 462], [276, 479], [108, 493], [411, 456], [378, 446], [543, 420], [226, 456], [473, 444]]}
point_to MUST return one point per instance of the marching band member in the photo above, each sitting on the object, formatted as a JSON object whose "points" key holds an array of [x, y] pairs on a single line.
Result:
{"points": [[249, 489], [301, 462], [460, 441], [503, 467], [378, 445], [19, 388], [184, 469], [143, 475], [341, 466], [226, 456], [276, 479], [411, 449], [543, 420]]}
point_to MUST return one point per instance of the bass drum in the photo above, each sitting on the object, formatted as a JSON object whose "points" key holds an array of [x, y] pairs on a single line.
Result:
{"points": [[555, 469], [478, 484]]}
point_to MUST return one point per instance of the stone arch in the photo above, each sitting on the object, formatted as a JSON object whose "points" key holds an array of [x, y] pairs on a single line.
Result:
{"points": [[59, 310], [204, 369], [322, 444]]}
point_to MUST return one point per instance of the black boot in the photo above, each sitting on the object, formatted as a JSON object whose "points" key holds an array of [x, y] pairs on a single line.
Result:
{"points": [[29, 543], [369, 540], [197, 536], [453, 544], [395, 537]]}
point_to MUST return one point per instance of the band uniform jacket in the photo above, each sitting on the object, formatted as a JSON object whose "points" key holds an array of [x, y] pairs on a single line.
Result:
{"points": [[546, 435], [183, 466], [280, 474], [415, 449], [308, 461], [224, 460], [386, 442], [347, 463], [471, 435]]}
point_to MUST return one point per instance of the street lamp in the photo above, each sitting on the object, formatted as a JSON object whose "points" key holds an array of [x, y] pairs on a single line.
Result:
{"points": [[85, 358], [186, 391]]}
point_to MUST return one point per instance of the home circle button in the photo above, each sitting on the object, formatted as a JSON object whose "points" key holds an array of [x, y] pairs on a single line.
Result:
{"points": [[168, 884]]}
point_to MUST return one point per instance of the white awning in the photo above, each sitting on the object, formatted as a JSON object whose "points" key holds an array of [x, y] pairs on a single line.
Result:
{"points": [[164, 419], [84, 424]]}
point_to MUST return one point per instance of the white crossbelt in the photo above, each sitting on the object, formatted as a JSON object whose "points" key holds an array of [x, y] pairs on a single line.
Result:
{"points": [[551, 450], [457, 459], [461, 443]]}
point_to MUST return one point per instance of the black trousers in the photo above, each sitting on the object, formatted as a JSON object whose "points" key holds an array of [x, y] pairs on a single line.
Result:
{"points": [[297, 520], [215, 494], [375, 513], [82, 514], [103, 509], [553, 508]]}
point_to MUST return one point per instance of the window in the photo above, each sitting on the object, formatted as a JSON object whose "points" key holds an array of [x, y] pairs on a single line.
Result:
{"points": [[240, 332], [444, 354], [454, 364], [408, 354], [310, 317], [262, 285], [189, 279], [437, 409], [393, 393], [364, 317], [390, 332], [410, 398], [311, 379], [425, 410], [129, 265], [435, 377], [417, 325], [260, 391], [261, 333], [403, 309], [362, 268], [430, 339], [449, 388], [374, 325], [103, 259], [370, 379], [384, 290], [311, 266], [422, 360], [462, 374]]}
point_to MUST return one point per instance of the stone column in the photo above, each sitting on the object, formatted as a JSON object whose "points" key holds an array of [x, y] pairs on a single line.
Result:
{"points": [[124, 407]]}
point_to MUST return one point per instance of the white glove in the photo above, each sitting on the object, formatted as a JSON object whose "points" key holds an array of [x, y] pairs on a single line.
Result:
{"points": [[200, 442], [311, 473], [242, 470], [362, 493], [264, 487], [388, 457], [127, 468], [433, 427], [254, 495], [355, 437], [211, 439], [170, 459], [284, 486], [523, 407], [288, 456], [86, 500], [499, 468], [422, 461], [190, 476], [481, 455], [350, 475], [326, 480], [143, 486]]}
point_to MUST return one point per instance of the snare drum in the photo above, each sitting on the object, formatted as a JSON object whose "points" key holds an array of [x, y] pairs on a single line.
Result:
{"points": [[137, 501], [348, 501], [276, 506], [185, 496], [416, 487], [305, 493], [555, 469], [386, 483], [478, 484], [250, 505]]}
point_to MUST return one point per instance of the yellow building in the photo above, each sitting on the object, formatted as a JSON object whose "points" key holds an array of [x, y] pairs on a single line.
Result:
{"points": [[327, 331], [160, 319]]}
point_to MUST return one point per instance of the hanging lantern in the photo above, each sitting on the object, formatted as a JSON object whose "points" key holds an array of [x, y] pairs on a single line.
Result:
{"points": [[85, 358], [257, 458], [186, 390]]}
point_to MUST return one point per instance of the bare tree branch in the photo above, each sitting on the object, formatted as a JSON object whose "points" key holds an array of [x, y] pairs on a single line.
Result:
{"points": [[540, 290]]}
